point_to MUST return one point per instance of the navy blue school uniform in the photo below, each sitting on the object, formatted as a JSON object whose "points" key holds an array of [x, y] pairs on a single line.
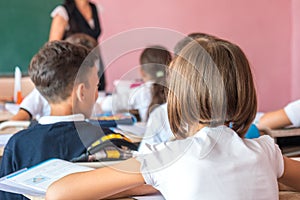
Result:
{"points": [[64, 140]]}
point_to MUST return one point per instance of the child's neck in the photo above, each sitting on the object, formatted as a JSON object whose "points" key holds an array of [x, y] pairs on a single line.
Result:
{"points": [[194, 129], [61, 109], [146, 79]]}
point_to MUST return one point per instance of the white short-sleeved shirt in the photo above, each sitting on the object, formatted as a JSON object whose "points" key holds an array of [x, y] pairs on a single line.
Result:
{"points": [[214, 164], [61, 11], [36, 104], [140, 99], [134, 98], [292, 110], [158, 128]]}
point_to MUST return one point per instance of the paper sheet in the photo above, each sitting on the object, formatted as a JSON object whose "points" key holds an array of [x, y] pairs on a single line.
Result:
{"points": [[35, 180], [136, 129], [4, 139]]}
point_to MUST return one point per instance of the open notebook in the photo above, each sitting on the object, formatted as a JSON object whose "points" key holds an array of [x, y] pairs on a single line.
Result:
{"points": [[34, 181]]}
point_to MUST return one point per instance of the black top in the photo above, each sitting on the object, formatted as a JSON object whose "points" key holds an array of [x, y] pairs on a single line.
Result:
{"points": [[78, 24], [64, 140]]}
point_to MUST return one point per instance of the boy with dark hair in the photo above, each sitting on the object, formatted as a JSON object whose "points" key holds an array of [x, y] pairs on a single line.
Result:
{"points": [[35, 105], [66, 75]]}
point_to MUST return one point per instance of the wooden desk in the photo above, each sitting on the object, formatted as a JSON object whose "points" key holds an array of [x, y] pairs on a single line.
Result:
{"points": [[289, 195], [283, 195], [286, 132], [7, 86], [5, 115]]}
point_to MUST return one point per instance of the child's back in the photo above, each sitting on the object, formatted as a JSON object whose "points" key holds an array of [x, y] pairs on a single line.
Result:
{"points": [[215, 163]]}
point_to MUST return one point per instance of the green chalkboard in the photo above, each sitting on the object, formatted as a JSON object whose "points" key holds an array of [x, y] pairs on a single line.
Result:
{"points": [[25, 26]]}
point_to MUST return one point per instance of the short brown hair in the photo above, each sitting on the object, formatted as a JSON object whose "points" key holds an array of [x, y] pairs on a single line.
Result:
{"points": [[154, 60], [82, 39], [55, 68], [211, 83]]}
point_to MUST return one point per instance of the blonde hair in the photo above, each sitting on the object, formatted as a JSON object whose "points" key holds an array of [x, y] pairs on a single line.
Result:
{"points": [[211, 83]]}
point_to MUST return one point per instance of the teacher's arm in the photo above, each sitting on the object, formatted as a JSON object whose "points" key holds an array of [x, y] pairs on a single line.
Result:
{"points": [[58, 27]]}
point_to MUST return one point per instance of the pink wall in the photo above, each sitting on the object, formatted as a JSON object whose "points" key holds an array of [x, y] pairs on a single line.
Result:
{"points": [[295, 49], [261, 28]]}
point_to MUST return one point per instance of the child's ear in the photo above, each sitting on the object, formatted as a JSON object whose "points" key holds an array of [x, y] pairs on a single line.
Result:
{"points": [[142, 72], [80, 92]]}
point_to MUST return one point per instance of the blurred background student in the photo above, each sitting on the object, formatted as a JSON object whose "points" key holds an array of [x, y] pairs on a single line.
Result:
{"points": [[284, 117], [287, 116], [153, 63], [77, 16]]}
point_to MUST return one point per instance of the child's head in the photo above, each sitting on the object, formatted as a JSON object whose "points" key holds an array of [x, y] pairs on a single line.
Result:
{"points": [[59, 69], [211, 84], [154, 61], [192, 36], [82, 39]]}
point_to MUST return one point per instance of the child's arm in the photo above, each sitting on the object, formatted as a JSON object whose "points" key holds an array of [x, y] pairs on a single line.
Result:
{"points": [[57, 28], [273, 120], [99, 183], [22, 115], [291, 174], [137, 191]]}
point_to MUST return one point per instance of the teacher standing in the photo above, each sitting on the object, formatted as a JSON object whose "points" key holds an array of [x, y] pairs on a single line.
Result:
{"points": [[77, 16]]}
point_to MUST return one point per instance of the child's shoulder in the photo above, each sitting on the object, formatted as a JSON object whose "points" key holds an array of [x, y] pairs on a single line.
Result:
{"points": [[264, 143], [264, 140]]}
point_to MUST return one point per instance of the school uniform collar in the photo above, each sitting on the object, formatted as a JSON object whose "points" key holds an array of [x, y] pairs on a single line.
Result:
{"points": [[149, 83], [54, 119]]}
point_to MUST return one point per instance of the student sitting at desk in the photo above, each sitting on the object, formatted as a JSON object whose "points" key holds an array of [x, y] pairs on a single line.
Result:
{"points": [[34, 105], [69, 82], [211, 104], [289, 115], [153, 61]]}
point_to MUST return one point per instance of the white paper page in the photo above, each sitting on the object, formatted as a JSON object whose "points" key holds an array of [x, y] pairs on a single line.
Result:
{"points": [[12, 108], [4, 139], [38, 178], [136, 129]]}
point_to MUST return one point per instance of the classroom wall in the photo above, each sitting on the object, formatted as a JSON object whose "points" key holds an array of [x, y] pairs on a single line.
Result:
{"points": [[263, 29], [295, 49]]}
